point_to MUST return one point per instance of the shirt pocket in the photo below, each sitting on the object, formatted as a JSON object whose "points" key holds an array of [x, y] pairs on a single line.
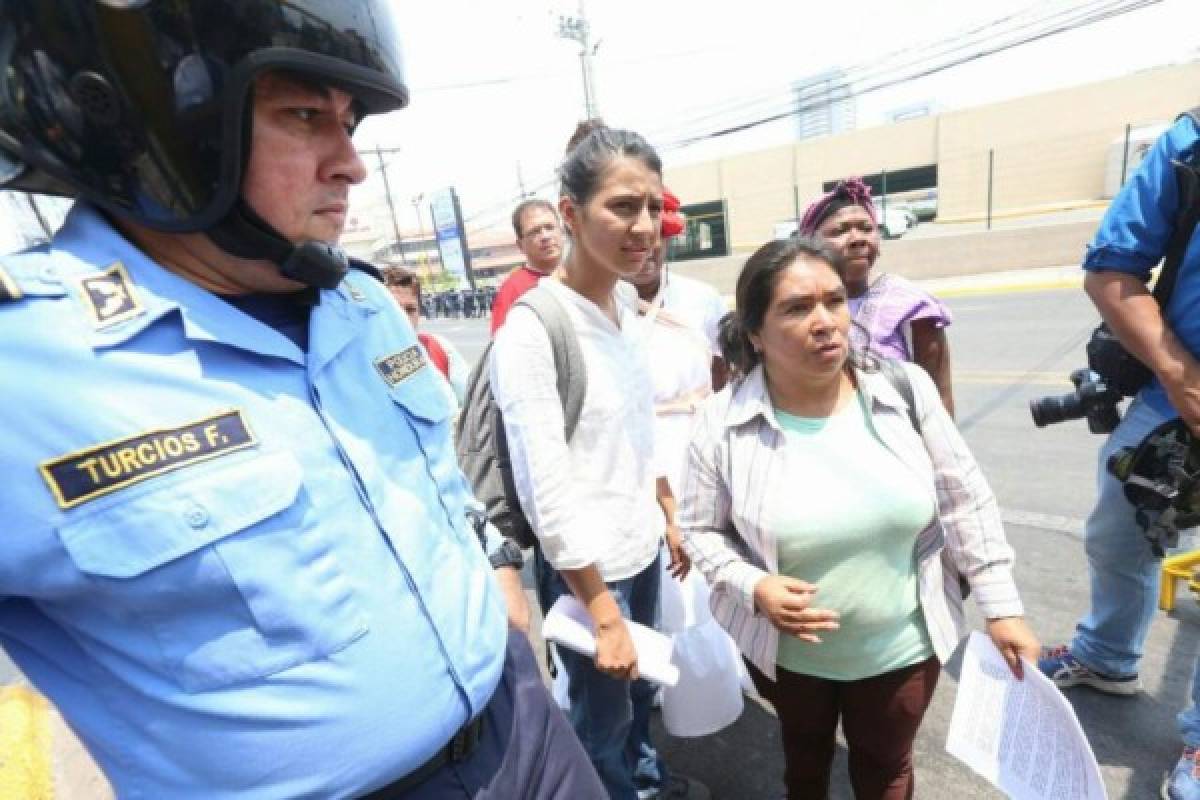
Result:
{"points": [[223, 570], [425, 411]]}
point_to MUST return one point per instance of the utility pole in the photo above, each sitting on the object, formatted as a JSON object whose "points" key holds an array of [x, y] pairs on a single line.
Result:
{"points": [[577, 29], [387, 191], [521, 182], [416, 203]]}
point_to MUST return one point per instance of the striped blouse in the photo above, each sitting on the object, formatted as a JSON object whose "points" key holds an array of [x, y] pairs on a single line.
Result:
{"points": [[732, 475]]}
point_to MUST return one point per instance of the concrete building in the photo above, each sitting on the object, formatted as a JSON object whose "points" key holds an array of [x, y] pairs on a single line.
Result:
{"points": [[825, 105], [1048, 152]]}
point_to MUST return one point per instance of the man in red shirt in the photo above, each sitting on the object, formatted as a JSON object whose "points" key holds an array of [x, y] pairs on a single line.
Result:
{"points": [[540, 239]]}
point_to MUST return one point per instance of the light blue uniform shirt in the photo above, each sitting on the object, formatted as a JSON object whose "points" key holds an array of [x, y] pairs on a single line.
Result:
{"points": [[238, 570], [1134, 235]]}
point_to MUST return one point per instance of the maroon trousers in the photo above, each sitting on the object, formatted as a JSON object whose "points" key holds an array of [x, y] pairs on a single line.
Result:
{"points": [[880, 716]]}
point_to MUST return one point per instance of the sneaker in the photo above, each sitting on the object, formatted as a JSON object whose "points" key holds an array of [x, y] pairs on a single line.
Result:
{"points": [[679, 787], [1066, 671], [1184, 781]]}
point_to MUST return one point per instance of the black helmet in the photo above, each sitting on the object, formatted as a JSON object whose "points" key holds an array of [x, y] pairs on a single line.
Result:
{"points": [[139, 106]]}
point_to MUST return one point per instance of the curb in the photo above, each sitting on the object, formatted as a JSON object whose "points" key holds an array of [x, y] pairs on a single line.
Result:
{"points": [[1008, 288]]}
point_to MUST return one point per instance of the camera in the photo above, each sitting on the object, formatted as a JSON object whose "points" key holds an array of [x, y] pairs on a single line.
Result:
{"points": [[1093, 398], [1112, 373], [1160, 477]]}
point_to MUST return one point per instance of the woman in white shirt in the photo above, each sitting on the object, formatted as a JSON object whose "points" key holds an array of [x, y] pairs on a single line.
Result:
{"points": [[836, 530], [592, 501]]}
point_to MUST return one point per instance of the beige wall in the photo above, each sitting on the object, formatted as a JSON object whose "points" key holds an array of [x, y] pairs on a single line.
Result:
{"points": [[1050, 153]]}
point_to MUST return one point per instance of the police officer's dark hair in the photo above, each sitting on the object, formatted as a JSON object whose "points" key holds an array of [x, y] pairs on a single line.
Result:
{"points": [[398, 276], [755, 289], [526, 205], [580, 172]]}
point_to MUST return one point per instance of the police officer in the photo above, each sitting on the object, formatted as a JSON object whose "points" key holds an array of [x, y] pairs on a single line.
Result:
{"points": [[1136, 233], [238, 553]]}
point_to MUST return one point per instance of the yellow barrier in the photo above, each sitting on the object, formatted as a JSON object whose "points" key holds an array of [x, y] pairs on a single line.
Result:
{"points": [[1174, 569], [25, 740]]}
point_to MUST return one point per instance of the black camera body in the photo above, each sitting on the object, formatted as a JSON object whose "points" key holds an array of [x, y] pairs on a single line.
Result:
{"points": [[1112, 374], [1161, 480], [1121, 370]]}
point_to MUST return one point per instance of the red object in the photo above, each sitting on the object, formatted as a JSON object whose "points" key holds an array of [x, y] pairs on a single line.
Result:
{"points": [[672, 221], [672, 224], [518, 282], [437, 354]]}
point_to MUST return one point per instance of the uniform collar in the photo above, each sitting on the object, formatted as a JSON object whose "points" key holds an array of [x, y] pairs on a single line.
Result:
{"points": [[93, 244]]}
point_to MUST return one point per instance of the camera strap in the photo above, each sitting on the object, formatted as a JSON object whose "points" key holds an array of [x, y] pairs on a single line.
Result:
{"points": [[1187, 181]]}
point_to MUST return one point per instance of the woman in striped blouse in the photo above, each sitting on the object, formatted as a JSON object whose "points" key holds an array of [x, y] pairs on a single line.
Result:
{"points": [[837, 530]]}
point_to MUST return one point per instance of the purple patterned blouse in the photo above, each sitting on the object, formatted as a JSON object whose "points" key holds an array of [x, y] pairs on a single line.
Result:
{"points": [[883, 315]]}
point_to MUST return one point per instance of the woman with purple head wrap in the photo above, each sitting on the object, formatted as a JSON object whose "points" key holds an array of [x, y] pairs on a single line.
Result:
{"points": [[894, 317]]}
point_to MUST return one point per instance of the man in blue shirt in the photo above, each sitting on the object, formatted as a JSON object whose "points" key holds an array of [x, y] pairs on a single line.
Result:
{"points": [[1132, 239], [239, 554]]}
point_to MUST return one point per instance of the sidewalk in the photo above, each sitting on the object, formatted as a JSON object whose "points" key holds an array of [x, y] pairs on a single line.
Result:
{"points": [[1007, 282], [40, 758]]}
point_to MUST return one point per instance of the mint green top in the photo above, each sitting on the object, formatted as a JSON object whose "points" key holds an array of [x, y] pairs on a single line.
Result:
{"points": [[849, 526]]}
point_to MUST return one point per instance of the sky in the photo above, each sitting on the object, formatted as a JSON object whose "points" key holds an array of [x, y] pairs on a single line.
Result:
{"points": [[496, 92]]}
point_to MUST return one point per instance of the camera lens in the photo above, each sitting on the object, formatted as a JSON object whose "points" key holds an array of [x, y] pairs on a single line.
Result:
{"points": [[1049, 410]]}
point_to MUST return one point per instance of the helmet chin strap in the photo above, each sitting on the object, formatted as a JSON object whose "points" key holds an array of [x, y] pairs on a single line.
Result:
{"points": [[244, 234]]}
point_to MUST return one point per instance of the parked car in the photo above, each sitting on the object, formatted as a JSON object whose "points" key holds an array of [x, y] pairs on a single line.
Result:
{"points": [[893, 223]]}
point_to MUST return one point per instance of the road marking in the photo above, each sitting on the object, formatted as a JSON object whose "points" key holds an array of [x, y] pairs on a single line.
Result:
{"points": [[25, 765], [1012, 377], [1047, 522]]}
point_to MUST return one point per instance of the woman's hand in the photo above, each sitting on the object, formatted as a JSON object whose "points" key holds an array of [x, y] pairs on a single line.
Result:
{"points": [[785, 603], [1014, 639], [615, 655], [680, 565]]}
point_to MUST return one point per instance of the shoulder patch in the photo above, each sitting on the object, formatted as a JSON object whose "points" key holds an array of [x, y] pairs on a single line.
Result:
{"points": [[98, 470], [109, 296], [399, 366], [9, 290]]}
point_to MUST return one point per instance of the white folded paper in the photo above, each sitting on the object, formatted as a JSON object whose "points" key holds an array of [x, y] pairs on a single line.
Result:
{"points": [[1022, 736], [568, 624]]}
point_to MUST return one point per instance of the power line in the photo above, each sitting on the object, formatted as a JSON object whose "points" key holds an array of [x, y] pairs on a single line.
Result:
{"points": [[1113, 10], [866, 78]]}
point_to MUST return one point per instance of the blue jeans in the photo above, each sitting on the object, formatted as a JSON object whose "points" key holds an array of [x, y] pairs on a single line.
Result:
{"points": [[612, 717], [1124, 574]]}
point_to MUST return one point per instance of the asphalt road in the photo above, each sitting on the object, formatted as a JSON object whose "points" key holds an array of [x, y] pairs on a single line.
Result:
{"points": [[1006, 349]]}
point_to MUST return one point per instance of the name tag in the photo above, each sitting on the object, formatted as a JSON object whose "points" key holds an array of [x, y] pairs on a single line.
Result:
{"points": [[398, 366], [85, 475]]}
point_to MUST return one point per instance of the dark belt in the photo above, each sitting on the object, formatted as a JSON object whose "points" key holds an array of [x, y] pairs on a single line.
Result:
{"points": [[458, 749]]}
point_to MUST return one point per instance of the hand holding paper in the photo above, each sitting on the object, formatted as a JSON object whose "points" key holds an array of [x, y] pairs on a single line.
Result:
{"points": [[568, 624], [1022, 736]]}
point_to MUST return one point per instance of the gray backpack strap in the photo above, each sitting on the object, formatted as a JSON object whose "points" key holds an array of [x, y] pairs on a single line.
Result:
{"points": [[568, 357], [897, 376]]}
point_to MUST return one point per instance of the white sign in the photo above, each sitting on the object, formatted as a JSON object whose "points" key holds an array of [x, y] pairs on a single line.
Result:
{"points": [[450, 244]]}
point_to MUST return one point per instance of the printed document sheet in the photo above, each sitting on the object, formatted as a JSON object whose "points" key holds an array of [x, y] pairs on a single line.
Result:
{"points": [[569, 625], [1022, 736]]}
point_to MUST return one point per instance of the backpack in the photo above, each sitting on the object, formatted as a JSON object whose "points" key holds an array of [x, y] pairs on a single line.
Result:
{"points": [[480, 439]]}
